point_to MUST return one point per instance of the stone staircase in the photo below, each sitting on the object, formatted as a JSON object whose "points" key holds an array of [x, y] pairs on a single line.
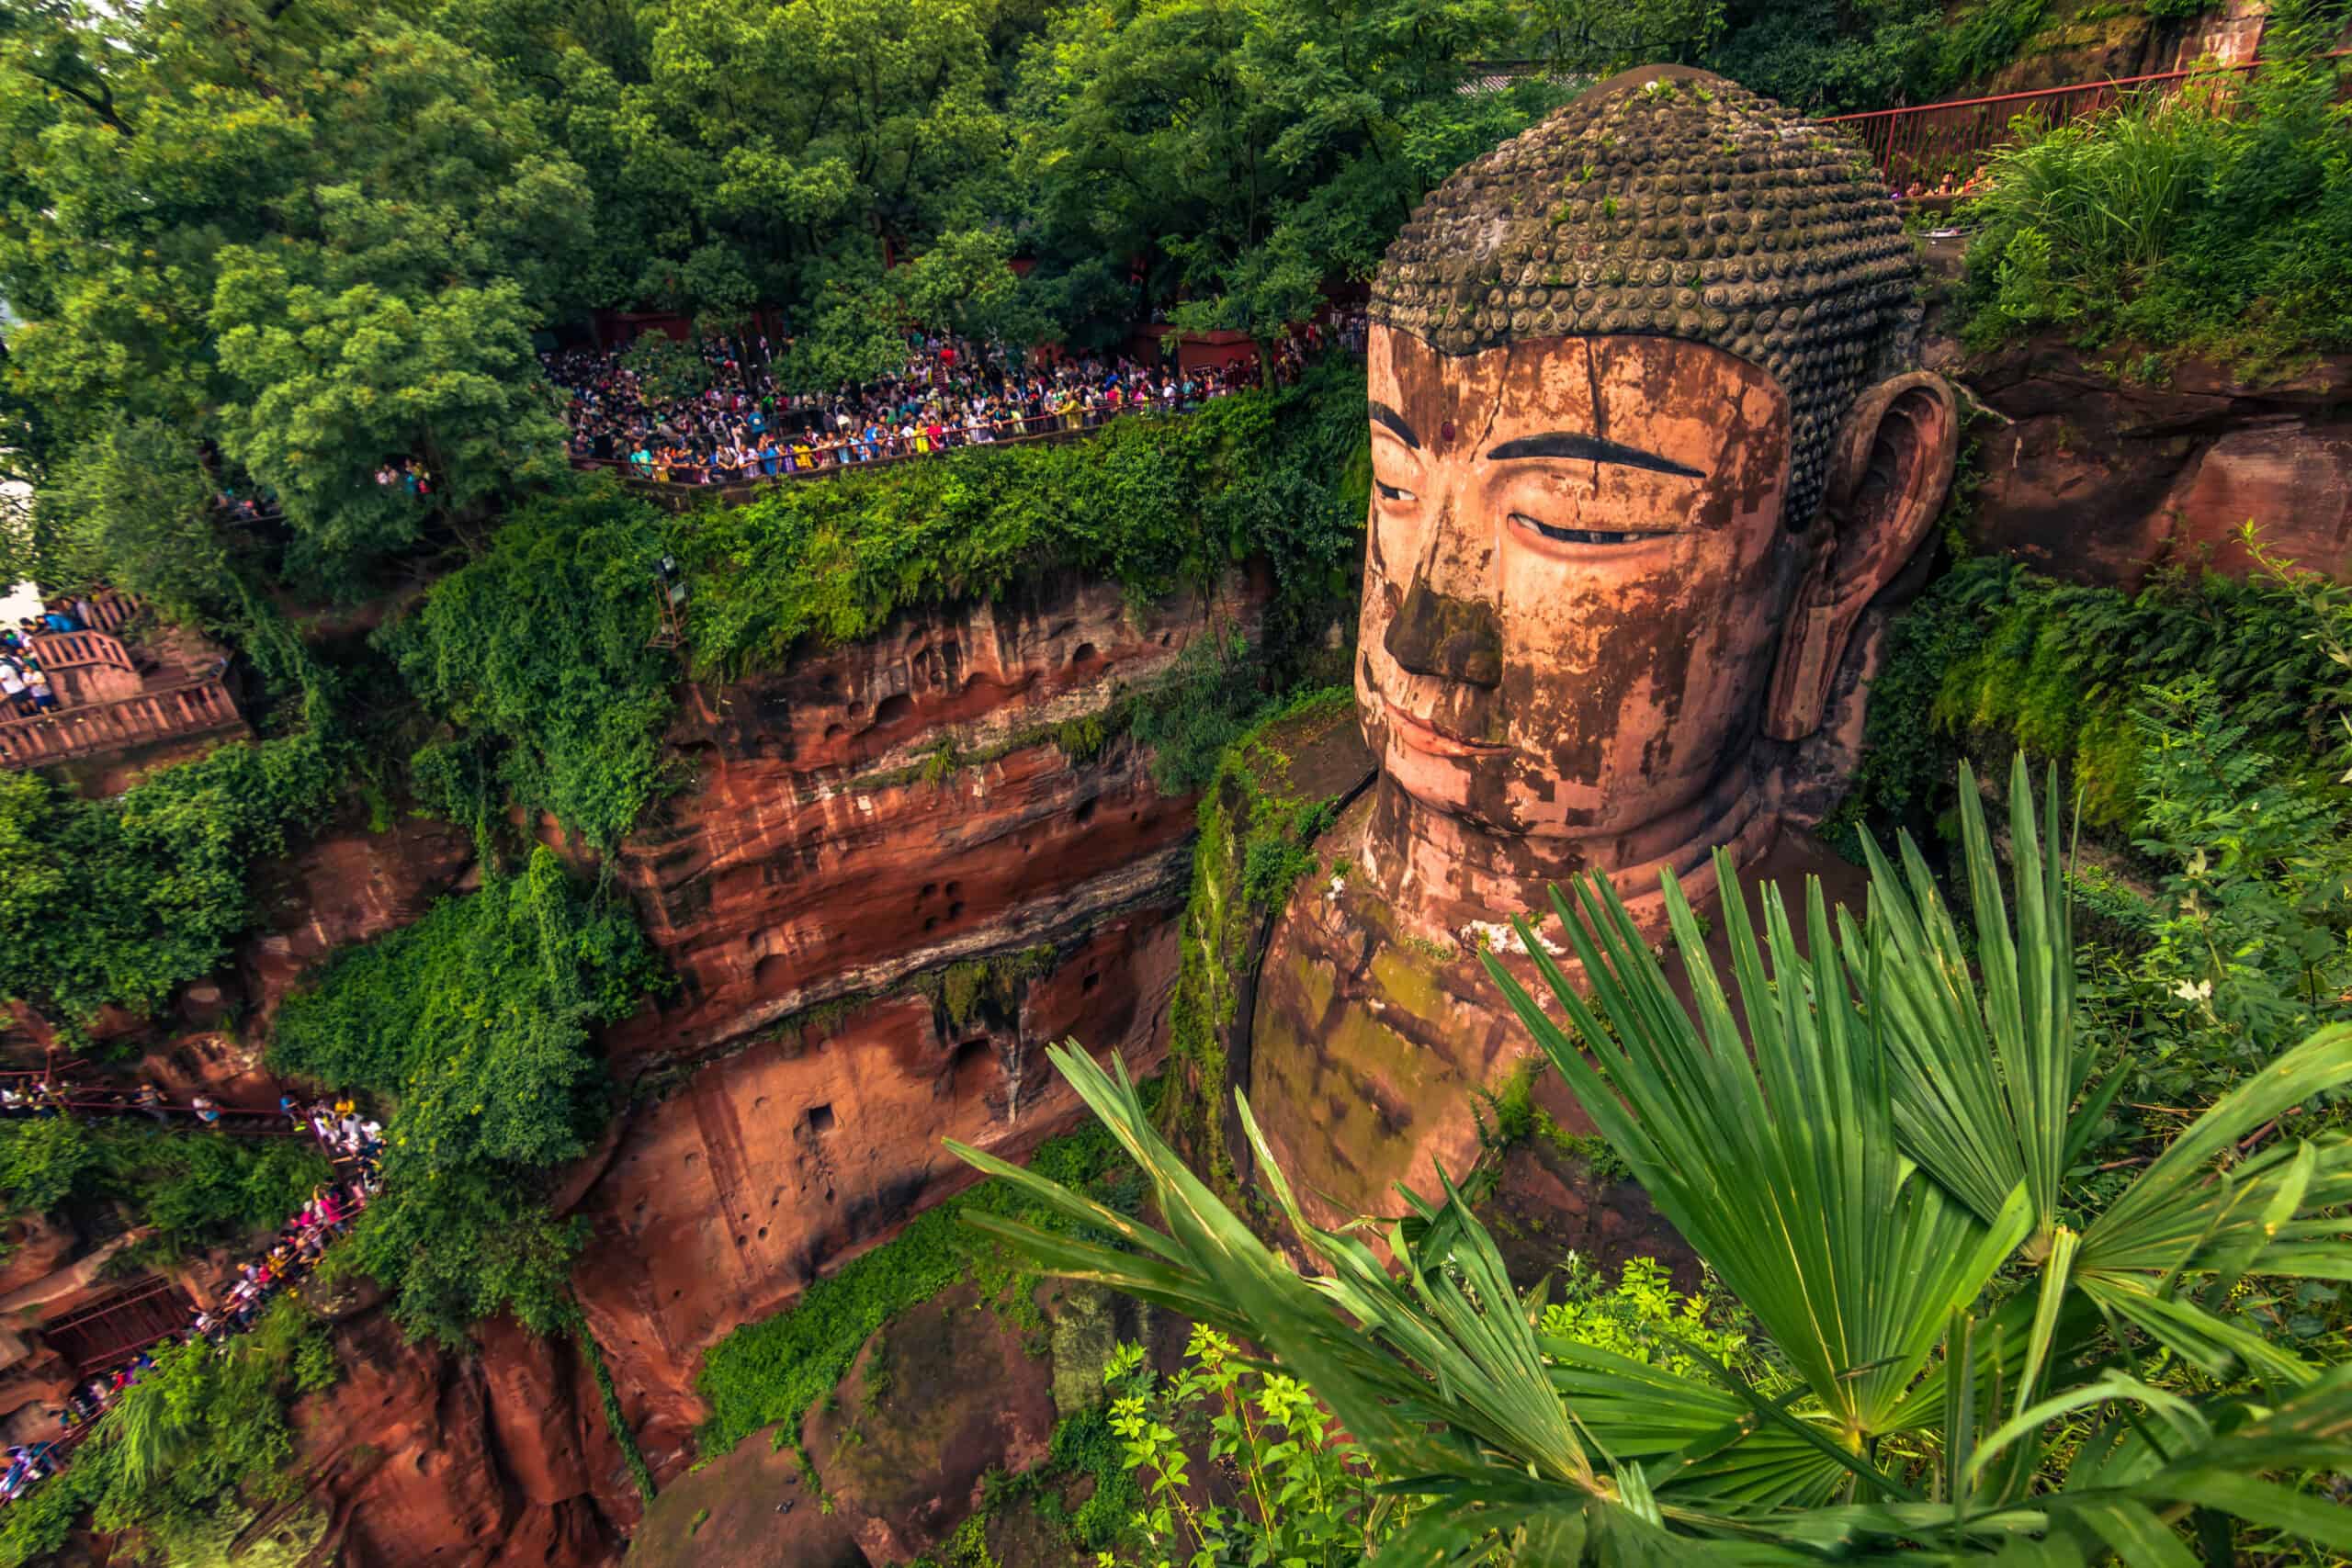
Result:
{"points": [[114, 696]]}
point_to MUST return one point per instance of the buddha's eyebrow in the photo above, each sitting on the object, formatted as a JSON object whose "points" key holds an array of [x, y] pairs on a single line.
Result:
{"points": [[1382, 414], [1589, 450]]}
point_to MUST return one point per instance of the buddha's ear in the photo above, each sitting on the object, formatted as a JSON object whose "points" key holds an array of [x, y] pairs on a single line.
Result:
{"points": [[1888, 473]]}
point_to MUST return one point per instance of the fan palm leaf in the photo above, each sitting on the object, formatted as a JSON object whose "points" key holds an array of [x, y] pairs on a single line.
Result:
{"points": [[1986, 1073], [1780, 1167], [1848, 1187]]}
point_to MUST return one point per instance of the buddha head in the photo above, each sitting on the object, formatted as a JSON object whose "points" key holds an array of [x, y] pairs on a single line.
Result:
{"points": [[1646, 440]]}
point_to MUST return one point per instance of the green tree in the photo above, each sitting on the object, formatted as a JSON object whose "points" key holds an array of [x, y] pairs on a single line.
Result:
{"points": [[132, 505], [318, 235], [1870, 1154], [473, 1028], [536, 657], [123, 900], [1255, 154]]}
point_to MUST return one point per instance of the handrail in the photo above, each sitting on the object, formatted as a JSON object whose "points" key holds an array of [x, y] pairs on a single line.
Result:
{"points": [[1055, 427], [186, 709], [1921, 140], [77, 650]]}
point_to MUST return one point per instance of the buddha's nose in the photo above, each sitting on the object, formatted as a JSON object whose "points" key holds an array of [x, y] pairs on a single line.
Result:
{"points": [[1454, 639]]}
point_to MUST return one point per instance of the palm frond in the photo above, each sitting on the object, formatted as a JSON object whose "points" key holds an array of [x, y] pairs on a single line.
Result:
{"points": [[1985, 1074], [1782, 1168]]}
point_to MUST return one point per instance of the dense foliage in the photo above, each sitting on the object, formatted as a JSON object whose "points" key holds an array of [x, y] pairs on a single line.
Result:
{"points": [[2078, 1368], [318, 236], [473, 1028], [2218, 221], [2202, 725], [536, 657], [193, 1189], [1148, 504], [195, 1451], [2059, 667], [122, 900]]}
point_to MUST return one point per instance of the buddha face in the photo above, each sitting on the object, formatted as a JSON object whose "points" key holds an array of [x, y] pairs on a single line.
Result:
{"points": [[1576, 578]]}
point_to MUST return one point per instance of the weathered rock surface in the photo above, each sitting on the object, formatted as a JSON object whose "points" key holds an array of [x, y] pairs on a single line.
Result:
{"points": [[784, 1160], [871, 817], [935, 1400], [488, 1461], [751, 1510], [900, 803], [2103, 481]]}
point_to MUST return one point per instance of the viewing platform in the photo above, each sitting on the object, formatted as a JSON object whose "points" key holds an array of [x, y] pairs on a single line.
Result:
{"points": [[682, 494], [122, 704]]}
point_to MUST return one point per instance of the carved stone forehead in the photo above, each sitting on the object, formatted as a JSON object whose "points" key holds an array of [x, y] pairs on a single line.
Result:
{"points": [[1671, 201]]}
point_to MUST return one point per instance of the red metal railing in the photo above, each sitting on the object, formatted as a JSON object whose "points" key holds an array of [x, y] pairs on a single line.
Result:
{"points": [[111, 609], [1935, 149], [110, 1331], [190, 709]]}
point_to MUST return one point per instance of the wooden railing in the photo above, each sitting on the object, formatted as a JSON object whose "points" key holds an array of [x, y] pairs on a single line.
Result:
{"points": [[190, 709], [80, 650], [110, 610]]}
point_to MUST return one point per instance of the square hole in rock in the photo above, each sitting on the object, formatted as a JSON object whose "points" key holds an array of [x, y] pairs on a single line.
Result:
{"points": [[820, 1118]]}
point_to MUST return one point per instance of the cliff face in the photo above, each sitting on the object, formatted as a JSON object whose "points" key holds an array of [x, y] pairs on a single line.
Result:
{"points": [[902, 803], [482, 1462], [887, 888], [893, 872], [2102, 481]]}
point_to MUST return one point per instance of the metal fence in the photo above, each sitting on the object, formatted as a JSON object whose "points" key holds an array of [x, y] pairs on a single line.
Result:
{"points": [[1935, 149]]}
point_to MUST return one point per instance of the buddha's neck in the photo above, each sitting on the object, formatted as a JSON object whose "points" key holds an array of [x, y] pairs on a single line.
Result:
{"points": [[1444, 875]]}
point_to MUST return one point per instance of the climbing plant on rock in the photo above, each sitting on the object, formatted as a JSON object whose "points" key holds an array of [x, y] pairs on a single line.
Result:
{"points": [[473, 1027], [120, 901]]}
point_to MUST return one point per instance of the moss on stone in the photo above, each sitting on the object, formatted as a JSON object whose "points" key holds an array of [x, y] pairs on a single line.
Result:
{"points": [[1257, 831], [1084, 1329], [959, 989]]}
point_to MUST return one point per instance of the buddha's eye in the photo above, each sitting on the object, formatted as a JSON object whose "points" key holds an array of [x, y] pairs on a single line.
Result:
{"points": [[1390, 492], [1581, 535]]}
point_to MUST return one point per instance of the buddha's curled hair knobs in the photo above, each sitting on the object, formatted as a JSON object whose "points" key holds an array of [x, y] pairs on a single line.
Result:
{"points": [[1672, 202]]}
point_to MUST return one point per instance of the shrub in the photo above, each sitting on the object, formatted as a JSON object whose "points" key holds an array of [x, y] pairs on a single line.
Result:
{"points": [[2216, 220], [472, 1026], [192, 1189], [1994, 650], [535, 658], [123, 900]]}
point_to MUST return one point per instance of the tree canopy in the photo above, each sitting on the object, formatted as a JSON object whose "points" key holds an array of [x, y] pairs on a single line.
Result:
{"points": [[272, 245]]}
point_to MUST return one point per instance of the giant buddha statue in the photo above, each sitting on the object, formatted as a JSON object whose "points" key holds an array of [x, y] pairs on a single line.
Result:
{"points": [[1649, 450]]}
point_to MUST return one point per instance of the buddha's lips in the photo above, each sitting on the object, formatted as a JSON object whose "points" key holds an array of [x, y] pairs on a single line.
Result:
{"points": [[1422, 735]]}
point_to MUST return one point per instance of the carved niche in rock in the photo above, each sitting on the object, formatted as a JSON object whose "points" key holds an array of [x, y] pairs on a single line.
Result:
{"points": [[1650, 456]]}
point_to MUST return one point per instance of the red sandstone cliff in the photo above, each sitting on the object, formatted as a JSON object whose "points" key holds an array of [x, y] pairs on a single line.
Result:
{"points": [[855, 827]]}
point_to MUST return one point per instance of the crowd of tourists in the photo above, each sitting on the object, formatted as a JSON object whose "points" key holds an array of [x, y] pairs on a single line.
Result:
{"points": [[24, 682], [354, 1144], [949, 393]]}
